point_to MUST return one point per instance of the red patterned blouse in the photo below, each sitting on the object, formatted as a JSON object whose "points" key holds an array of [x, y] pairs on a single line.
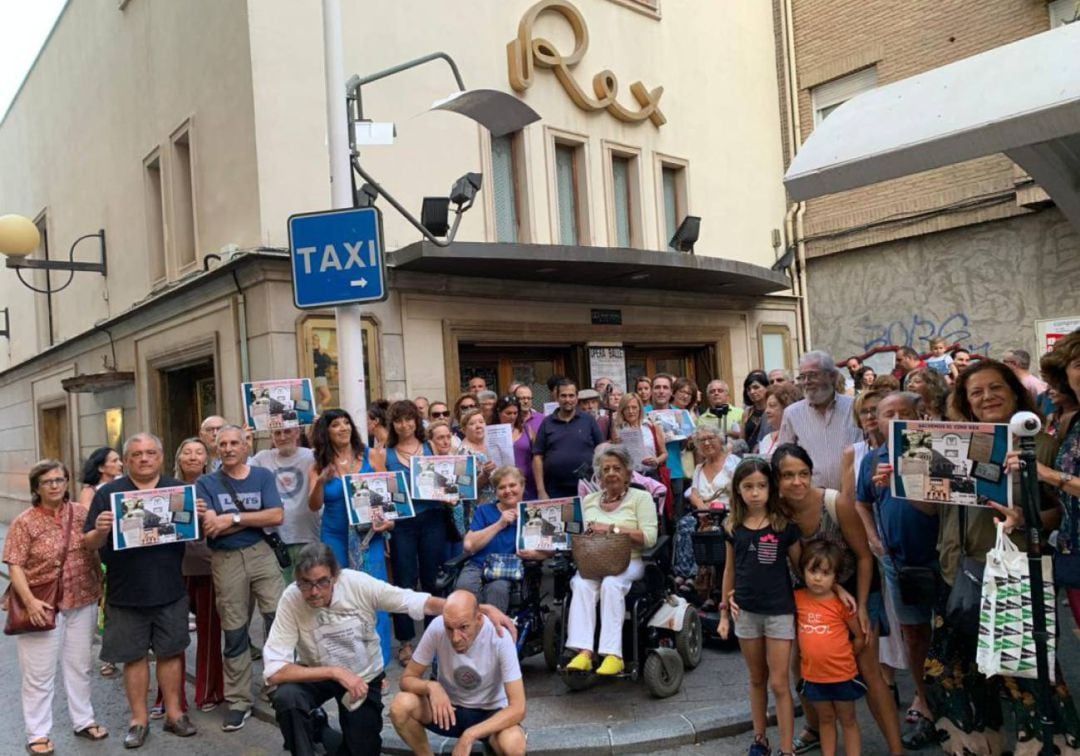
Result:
{"points": [[35, 541]]}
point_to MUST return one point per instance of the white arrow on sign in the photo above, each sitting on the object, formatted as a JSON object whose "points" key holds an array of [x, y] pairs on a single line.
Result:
{"points": [[361, 282]]}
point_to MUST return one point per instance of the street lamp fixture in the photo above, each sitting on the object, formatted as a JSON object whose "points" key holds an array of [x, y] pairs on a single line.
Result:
{"points": [[19, 237], [498, 112], [686, 235]]}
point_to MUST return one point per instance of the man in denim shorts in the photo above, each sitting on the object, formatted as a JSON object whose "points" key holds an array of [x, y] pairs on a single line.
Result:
{"points": [[901, 540]]}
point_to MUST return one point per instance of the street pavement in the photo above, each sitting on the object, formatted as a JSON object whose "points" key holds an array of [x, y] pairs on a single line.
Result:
{"points": [[710, 715]]}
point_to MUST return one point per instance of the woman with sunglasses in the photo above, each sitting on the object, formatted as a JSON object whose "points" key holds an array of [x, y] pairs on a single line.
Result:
{"points": [[463, 403]]}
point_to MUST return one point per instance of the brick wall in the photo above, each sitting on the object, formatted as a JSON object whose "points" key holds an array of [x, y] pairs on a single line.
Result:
{"points": [[836, 37]]}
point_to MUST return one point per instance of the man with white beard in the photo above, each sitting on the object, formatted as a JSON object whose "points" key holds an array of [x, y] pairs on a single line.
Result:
{"points": [[824, 422]]}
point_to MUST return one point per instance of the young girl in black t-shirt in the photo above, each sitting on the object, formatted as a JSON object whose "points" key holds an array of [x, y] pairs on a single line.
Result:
{"points": [[759, 595]]}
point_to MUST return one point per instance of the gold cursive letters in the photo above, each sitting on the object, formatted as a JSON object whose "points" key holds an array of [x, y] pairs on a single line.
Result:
{"points": [[524, 52]]}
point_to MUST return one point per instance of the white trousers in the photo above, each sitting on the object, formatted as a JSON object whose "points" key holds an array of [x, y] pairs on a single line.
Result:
{"points": [[70, 644], [612, 592]]}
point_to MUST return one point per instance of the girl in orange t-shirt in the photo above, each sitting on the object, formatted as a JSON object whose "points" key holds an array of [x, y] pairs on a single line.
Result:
{"points": [[830, 676]]}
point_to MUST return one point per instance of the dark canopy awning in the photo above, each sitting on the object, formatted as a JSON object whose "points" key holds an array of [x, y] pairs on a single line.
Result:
{"points": [[595, 266]]}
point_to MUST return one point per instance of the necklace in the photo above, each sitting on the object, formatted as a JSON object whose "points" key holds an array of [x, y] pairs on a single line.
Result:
{"points": [[606, 499]]}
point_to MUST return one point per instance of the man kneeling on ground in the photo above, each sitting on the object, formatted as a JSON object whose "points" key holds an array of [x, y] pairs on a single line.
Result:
{"points": [[479, 694], [326, 621]]}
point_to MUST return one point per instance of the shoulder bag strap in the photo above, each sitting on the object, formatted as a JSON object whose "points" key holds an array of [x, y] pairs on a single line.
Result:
{"points": [[63, 556], [831, 495]]}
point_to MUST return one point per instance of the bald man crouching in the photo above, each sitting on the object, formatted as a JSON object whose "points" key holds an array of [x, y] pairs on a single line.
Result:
{"points": [[479, 694]]}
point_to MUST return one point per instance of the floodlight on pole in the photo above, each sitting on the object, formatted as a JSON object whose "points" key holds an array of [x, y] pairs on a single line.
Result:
{"points": [[498, 112]]}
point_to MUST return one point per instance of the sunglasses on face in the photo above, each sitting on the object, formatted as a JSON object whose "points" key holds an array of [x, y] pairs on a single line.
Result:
{"points": [[441, 414]]}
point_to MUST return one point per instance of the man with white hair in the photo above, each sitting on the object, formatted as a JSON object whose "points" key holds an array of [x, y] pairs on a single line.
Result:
{"points": [[824, 422]]}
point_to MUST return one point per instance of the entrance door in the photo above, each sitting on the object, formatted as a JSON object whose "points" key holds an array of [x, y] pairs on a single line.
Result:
{"points": [[187, 395], [502, 366], [53, 439], [695, 362]]}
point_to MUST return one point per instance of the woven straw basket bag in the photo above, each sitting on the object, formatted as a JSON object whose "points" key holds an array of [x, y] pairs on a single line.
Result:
{"points": [[598, 556]]}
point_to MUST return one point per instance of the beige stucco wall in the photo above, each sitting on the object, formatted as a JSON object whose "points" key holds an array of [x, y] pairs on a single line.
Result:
{"points": [[720, 100], [111, 85]]}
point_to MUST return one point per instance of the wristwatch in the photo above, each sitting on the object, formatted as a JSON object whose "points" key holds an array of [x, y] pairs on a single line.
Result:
{"points": [[616, 530], [1064, 479], [236, 518]]}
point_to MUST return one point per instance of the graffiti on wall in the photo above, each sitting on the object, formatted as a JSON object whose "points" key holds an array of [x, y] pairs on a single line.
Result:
{"points": [[916, 330]]}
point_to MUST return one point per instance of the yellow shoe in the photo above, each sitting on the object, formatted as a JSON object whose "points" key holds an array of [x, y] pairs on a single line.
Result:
{"points": [[612, 665], [580, 663]]}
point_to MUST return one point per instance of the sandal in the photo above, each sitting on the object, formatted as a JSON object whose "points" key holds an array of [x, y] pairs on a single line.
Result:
{"points": [[32, 746], [108, 669], [404, 654], [808, 740], [912, 716], [923, 734], [92, 732]]}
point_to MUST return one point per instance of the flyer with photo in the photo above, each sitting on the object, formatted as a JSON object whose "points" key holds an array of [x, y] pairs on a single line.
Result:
{"points": [[449, 479], [382, 495], [154, 516], [675, 424], [950, 463], [547, 525], [272, 405]]}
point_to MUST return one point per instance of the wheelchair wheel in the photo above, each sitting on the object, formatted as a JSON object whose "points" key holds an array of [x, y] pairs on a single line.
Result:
{"points": [[552, 640], [578, 681], [688, 641], [663, 672]]}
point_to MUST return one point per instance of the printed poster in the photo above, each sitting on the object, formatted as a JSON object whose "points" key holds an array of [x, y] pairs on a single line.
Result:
{"points": [[675, 424], [154, 516], [547, 525], [550, 408], [272, 405], [608, 362], [379, 495], [448, 479], [1050, 332], [499, 440], [950, 463]]}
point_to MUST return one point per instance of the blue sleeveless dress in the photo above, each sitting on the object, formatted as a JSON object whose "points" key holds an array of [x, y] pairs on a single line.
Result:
{"points": [[344, 541]]}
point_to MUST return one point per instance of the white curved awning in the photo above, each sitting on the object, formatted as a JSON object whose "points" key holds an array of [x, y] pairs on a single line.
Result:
{"points": [[1022, 99]]}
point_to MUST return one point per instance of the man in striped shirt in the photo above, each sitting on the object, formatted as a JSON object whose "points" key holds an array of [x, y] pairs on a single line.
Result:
{"points": [[824, 422]]}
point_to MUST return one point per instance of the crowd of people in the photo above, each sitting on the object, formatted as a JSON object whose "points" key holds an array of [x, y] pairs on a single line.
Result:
{"points": [[817, 585]]}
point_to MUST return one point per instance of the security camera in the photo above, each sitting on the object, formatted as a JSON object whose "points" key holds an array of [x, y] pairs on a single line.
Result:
{"points": [[1025, 424], [465, 189]]}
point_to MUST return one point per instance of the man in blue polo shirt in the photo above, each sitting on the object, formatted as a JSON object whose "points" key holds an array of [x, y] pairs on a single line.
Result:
{"points": [[565, 442], [906, 536], [240, 502]]}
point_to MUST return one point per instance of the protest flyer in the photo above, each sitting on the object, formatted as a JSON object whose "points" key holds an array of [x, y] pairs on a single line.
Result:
{"points": [[272, 405], [676, 424], [449, 479], [550, 408], [950, 463], [499, 440], [154, 516], [379, 495], [634, 443], [547, 525]]}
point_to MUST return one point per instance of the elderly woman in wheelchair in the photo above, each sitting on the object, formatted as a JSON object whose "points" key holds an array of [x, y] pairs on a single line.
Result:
{"points": [[615, 508], [494, 564]]}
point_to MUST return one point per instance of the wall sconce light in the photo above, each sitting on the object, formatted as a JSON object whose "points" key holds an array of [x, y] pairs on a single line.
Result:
{"points": [[19, 237], [686, 235]]}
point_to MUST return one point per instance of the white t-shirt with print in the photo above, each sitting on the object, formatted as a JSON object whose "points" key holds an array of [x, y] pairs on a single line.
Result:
{"points": [[476, 679]]}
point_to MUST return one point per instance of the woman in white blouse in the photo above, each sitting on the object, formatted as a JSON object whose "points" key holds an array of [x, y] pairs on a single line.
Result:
{"points": [[629, 421], [710, 489]]}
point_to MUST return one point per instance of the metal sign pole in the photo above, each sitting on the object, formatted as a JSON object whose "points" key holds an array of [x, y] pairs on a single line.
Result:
{"points": [[350, 326]]}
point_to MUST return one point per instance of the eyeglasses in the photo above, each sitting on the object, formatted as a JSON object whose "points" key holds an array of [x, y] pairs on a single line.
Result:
{"points": [[441, 414], [811, 376], [467, 406], [868, 412], [775, 381], [52, 482], [307, 586]]}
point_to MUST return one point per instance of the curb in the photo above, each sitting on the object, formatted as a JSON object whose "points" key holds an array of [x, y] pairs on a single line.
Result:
{"points": [[693, 727]]}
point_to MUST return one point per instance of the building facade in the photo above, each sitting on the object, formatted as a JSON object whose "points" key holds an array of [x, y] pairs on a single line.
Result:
{"points": [[975, 252], [190, 132]]}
